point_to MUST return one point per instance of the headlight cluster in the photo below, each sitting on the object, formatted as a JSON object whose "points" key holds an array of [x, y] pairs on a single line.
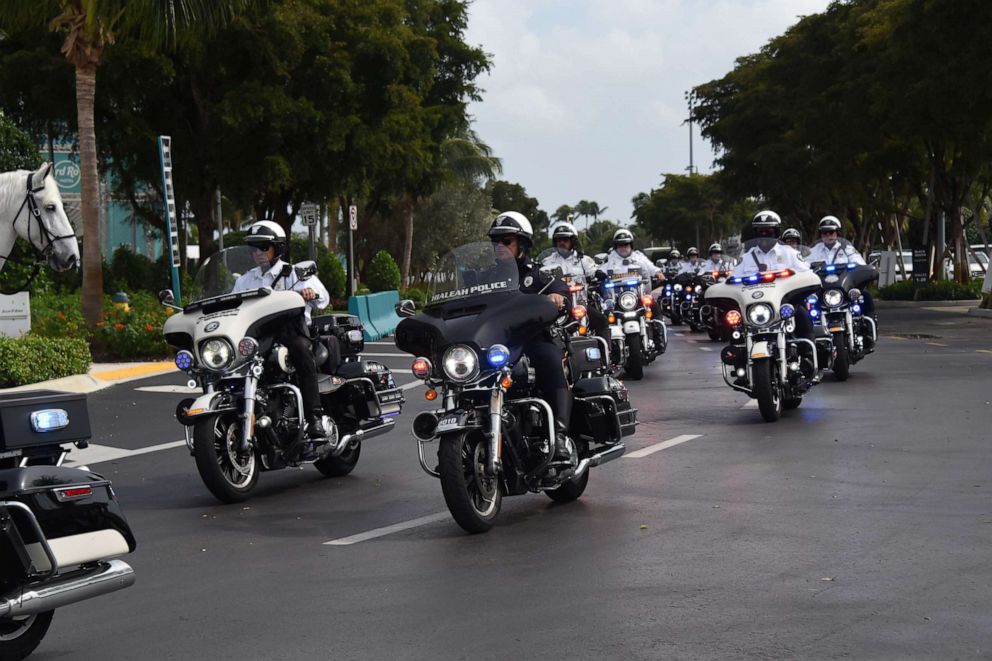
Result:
{"points": [[833, 297], [627, 300], [216, 353], [760, 314], [460, 363]]}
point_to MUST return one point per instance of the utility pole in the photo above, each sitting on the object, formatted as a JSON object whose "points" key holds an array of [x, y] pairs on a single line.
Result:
{"points": [[690, 99]]}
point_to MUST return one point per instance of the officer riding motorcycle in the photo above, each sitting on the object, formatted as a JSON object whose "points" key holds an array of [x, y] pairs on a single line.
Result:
{"points": [[578, 269], [716, 262], [832, 249], [692, 263]]}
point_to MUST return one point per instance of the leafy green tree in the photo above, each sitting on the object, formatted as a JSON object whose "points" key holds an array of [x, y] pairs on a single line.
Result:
{"points": [[598, 237], [508, 196], [563, 214], [17, 150], [383, 273], [688, 210], [90, 27]]}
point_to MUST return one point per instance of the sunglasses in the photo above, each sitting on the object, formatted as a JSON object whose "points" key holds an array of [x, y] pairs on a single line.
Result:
{"points": [[262, 247], [506, 240], [828, 232]]}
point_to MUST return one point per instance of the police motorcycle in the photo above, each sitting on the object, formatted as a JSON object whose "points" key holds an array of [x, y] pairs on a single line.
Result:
{"points": [[492, 434], [635, 335], [765, 359], [690, 306], [62, 530], [249, 417], [582, 293], [838, 306], [671, 293], [710, 318]]}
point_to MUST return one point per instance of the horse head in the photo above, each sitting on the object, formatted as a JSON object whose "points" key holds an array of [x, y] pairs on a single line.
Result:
{"points": [[48, 228]]}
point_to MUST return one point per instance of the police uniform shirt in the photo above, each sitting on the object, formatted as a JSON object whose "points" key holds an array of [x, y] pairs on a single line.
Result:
{"points": [[841, 253], [575, 264], [614, 262], [530, 281], [778, 258], [710, 265], [282, 277], [689, 267]]}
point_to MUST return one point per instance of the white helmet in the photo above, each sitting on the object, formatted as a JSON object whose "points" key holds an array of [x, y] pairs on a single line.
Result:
{"points": [[623, 236], [513, 223], [265, 233], [715, 247], [829, 224]]}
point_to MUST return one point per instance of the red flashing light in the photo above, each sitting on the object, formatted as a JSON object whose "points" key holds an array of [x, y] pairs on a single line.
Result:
{"points": [[647, 301], [578, 312], [421, 368]]}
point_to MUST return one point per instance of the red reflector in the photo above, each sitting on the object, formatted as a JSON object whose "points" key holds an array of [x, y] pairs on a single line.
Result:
{"points": [[76, 492], [421, 368], [767, 277], [734, 318]]}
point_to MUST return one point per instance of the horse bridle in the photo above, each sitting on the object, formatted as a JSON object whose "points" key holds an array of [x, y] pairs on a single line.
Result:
{"points": [[41, 255]]}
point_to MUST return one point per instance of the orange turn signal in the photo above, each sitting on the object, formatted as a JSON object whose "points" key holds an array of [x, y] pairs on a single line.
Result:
{"points": [[578, 311], [734, 318], [611, 319], [430, 395], [506, 382], [647, 301], [648, 314]]}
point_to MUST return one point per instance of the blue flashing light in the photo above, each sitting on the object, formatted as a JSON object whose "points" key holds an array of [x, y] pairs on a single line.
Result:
{"points": [[632, 282], [814, 313], [184, 360], [856, 309], [753, 278], [49, 420], [830, 269], [813, 299], [851, 266], [498, 355], [737, 280], [787, 311], [609, 285]]}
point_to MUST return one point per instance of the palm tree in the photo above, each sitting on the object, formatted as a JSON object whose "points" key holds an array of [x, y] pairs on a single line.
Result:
{"points": [[90, 26]]}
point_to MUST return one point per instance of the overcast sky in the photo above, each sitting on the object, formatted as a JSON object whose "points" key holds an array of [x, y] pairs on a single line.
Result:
{"points": [[585, 99]]}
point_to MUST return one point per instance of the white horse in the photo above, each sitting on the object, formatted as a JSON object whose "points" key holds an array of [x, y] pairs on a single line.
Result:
{"points": [[31, 208]]}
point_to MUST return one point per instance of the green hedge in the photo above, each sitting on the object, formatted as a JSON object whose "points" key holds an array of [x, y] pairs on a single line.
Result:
{"points": [[939, 290], [32, 358], [383, 274], [418, 296]]}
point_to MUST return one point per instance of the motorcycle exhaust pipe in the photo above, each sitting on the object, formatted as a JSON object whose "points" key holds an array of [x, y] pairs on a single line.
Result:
{"points": [[609, 454], [424, 426], [705, 310], [109, 576]]}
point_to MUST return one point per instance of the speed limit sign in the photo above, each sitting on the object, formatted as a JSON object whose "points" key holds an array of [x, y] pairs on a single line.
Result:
{"points": [[353, 217], [308, 214]]}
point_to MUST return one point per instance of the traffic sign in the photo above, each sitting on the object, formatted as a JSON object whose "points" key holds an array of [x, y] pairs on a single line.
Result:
{"points": [[353, 217], [308, 214]]}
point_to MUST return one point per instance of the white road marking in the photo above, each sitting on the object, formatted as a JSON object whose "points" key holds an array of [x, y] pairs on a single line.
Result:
{"points": [[388, 530], [657, 447], [96, 454], [706, 348], [751, 404], [386, 355], [383, 344], [680, 334], [413, 384], [181, 390]]}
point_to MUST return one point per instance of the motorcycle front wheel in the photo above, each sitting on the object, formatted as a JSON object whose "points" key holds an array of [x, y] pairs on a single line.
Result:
{"points": [[473, 498], [635, 360], [340, 465], [18, 638], [230, 475], [842, 362], [769, 400]]}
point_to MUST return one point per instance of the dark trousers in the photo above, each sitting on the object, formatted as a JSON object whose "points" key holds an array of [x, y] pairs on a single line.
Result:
{"points": [[546, 359], [306, 368], [868, 309], [598, 323]]}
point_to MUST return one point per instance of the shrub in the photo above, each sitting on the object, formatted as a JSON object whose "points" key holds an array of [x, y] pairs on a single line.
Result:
{"points": [[134, 332], [939, 290], [57, 315], [418, 296], [129, 272], [32, 358], [383, 274], [332, 274]]}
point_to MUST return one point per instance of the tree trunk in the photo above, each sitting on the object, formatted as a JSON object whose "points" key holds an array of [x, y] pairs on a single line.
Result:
{"points": [[408, 243], [92, 295]]}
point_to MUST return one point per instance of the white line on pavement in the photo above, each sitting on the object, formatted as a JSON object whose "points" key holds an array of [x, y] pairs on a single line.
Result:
{"points": [[657, 447], [388, 530], [681, 334], [381, 344], [96, 454], [182, 390], [386, 355], [706, 348], [414, 384], [751, 404]]}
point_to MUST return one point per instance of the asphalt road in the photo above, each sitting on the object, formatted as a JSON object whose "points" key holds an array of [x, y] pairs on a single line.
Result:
{"points": [[858, 526]]}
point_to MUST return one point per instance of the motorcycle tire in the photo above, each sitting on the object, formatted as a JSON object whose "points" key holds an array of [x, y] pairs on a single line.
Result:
{"points": [[212, 440], [341, 465], [842, 362], [635, 360], [18, 638], [571, 490], [473, 499], [769, 400]]}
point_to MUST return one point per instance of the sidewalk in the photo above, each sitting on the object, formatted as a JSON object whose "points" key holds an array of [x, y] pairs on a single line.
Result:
{"points": [[965, 307], [100, 376]]}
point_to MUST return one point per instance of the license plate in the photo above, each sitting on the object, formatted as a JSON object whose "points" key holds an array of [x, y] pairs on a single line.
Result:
{"points": [[446, 424]]}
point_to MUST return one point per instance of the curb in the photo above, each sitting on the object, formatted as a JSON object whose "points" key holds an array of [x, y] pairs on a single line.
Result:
{"points": [[980, 312], [100, 376]]}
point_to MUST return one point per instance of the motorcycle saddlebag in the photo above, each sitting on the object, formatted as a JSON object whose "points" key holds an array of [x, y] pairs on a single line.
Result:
{"points": [[37, 418], [339, 325], [384, 400]]}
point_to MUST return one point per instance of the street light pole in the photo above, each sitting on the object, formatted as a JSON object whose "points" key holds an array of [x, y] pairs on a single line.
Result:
{"points": [[690, 98]]}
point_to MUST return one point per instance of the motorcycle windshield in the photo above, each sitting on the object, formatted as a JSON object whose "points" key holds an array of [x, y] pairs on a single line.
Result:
{"points": [[475, 269], [569, 278], [218, 273]]}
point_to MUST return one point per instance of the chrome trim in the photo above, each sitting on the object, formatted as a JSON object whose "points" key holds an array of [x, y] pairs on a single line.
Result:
{"points": [[609, 454], [299, 404], [493, 460], [39, 533], [248, 428], [874, 328], [550, 417], [108, 576], [730, 383], [816, 362], [423, 460]]}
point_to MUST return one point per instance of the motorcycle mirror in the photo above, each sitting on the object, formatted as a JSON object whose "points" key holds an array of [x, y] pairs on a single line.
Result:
{"points": [[166, 297], [306, 269], [547, 275], [660, 263], [405, 308], [599, 258], [817, 265]]}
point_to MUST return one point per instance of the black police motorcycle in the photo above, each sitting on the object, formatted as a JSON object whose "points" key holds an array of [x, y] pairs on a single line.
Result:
{"points": [[839, 307], [61, 528], [494, 434]]}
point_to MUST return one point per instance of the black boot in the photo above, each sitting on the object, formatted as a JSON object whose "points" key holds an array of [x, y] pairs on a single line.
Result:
{"points": [[565, 454]]}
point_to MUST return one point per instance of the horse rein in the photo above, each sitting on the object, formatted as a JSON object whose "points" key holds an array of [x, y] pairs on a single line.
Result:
{"points": [[40, 255]]}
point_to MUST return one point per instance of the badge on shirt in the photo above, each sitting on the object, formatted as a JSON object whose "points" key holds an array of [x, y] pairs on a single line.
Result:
{"points": [[528, 281]]}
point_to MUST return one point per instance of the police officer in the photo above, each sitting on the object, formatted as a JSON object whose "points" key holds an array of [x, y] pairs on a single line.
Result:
{"points": [[716, 262], [691, 264], [623, 250], [568, 257], [673, 263], [513, 236], [268, 242], [832, 249]]}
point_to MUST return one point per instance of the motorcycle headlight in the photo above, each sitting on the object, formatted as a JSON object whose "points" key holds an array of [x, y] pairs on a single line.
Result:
{"points": [[833, 297], [760, 314], [216, 354], [678, 287], [460, 363], [627, 300]]}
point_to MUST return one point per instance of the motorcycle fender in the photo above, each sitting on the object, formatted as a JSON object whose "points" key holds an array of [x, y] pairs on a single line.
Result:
{"points": [[616, 332], [760, 349], [455, 421], [631, 327], [206, 404]]}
